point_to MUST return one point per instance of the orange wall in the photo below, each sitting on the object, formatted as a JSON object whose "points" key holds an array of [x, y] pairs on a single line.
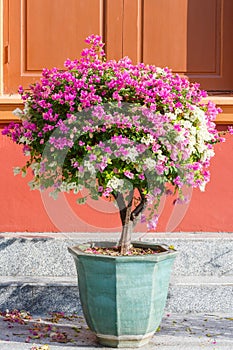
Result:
{"points": [[24, 210]]}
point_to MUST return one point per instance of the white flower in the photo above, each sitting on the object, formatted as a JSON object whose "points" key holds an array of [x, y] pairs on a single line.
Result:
{"points": [[72, 186], [17, 112], [200, 147], [202, 186], [115, 183], [193, 130], [150, 163], [36, 168], [171, 116], [204, 134], [24, 140], [63, 187], [191, 144], [186, 123], [207, 154], [161, 156], [180, 137], [77, 189], [17, 170], [160, 71], [87, 164], [132, 154], [178, 111], [147, 140], [199, 113]]}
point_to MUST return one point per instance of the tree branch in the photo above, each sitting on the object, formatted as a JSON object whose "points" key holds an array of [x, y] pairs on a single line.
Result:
{"points": [[121, 205], [136, 213]]}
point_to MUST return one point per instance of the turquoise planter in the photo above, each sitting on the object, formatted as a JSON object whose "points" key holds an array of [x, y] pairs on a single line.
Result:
{"points": [[123, 297]]}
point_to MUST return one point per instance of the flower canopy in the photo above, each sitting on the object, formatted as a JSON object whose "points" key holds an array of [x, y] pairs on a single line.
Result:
{"points": [[113, 126]]}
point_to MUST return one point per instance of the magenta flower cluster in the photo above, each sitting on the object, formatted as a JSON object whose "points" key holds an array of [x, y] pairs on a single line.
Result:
{"points": [[111, 125]]}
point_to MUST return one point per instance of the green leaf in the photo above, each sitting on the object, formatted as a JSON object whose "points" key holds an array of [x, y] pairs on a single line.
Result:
{"points": [[53, 194], [95, 196], [81, 200], [24, 172], [17, 170]]}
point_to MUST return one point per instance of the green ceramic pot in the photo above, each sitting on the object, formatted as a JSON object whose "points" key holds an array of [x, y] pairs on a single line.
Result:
{"points": [[123, 297]]}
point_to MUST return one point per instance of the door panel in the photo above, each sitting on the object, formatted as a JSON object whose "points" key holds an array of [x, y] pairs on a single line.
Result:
{"points": [[44, 33], [193, 37], [132, 30], [204, 37], [113, 28], [165, 33], [210, 45], [55, 30]]}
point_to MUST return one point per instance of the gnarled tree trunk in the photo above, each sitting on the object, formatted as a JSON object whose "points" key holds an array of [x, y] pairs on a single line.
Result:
{"points": [[129, 217]]}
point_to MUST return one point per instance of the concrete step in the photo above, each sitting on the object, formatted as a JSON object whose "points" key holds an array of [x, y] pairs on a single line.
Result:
{"points": [[38, 274], [41, 294]]}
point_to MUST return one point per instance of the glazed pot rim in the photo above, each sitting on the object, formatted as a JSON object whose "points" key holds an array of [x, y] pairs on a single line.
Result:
{"points": [[166, 253]]}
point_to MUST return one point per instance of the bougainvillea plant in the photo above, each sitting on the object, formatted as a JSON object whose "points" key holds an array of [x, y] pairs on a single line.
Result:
{"points": [[118, 130]]}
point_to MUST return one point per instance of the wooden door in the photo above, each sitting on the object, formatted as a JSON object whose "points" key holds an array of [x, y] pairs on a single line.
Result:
{"points": [[193, 37], [44, 33]]}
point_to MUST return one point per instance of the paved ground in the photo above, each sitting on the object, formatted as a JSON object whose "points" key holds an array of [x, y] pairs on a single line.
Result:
{"points": [[60, 332]]}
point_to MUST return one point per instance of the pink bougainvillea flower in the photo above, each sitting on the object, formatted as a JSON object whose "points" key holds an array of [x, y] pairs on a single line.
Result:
{"points": [[129, 174]]}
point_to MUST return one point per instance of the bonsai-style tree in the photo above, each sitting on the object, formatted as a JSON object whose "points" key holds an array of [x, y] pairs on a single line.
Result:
{"points": [[117, 129]]}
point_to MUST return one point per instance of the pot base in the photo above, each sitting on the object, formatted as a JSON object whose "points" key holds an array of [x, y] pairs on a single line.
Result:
{"points": [[123, 297], [124, 341]]}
